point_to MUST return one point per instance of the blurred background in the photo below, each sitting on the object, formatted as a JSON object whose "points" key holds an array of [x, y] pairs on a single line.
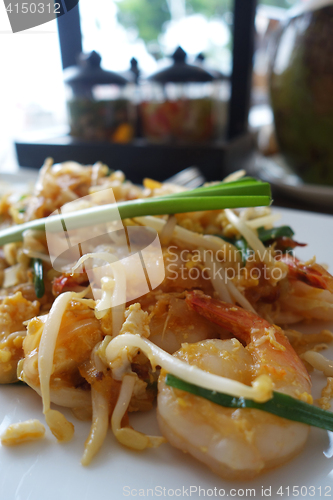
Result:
{"points": [[32, 94], [221, 113]]}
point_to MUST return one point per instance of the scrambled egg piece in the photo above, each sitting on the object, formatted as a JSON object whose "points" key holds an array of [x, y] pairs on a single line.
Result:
{"points": [[29, 430], [14, 311]]}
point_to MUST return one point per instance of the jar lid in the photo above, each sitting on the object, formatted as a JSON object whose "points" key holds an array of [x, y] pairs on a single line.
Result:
{"points": [[133, 73], [217, 74], [89, 72], [180, 71]]}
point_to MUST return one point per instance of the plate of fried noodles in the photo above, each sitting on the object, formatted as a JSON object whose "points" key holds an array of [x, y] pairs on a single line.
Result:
{"points": [[157, 341]]}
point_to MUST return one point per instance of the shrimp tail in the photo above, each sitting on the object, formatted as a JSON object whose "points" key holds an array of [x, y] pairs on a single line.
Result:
{"points": [[314, 275], [228, 316], [237, 320], [267, 343]]}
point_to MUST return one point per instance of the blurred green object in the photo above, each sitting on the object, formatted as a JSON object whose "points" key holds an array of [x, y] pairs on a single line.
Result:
{"points": [[302, 93]]}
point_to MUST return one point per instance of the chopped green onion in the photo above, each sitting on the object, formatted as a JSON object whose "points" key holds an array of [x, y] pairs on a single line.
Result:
{"points": [[281, 405], [241, 244], [257, 194], [264, 235], [244, 249], [38, 278], [275, 232]]}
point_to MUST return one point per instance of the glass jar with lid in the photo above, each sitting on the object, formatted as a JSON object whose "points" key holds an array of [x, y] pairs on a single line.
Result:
{"points": [[177, 103], [99, 102], [222, 93]]}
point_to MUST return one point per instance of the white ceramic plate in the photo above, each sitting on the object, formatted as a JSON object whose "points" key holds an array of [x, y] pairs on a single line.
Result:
{"points": [[19, 176], [47, 470], [275, 171]]}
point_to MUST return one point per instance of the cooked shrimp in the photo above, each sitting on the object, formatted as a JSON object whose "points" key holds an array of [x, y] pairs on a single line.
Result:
{"points": [[174, 322], [309, 293], [236, 444], [313, 274], [305, 301]]}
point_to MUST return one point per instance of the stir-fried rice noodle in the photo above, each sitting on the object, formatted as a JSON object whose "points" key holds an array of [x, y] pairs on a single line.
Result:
{"points": [[82, 336], [100, 416]]}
